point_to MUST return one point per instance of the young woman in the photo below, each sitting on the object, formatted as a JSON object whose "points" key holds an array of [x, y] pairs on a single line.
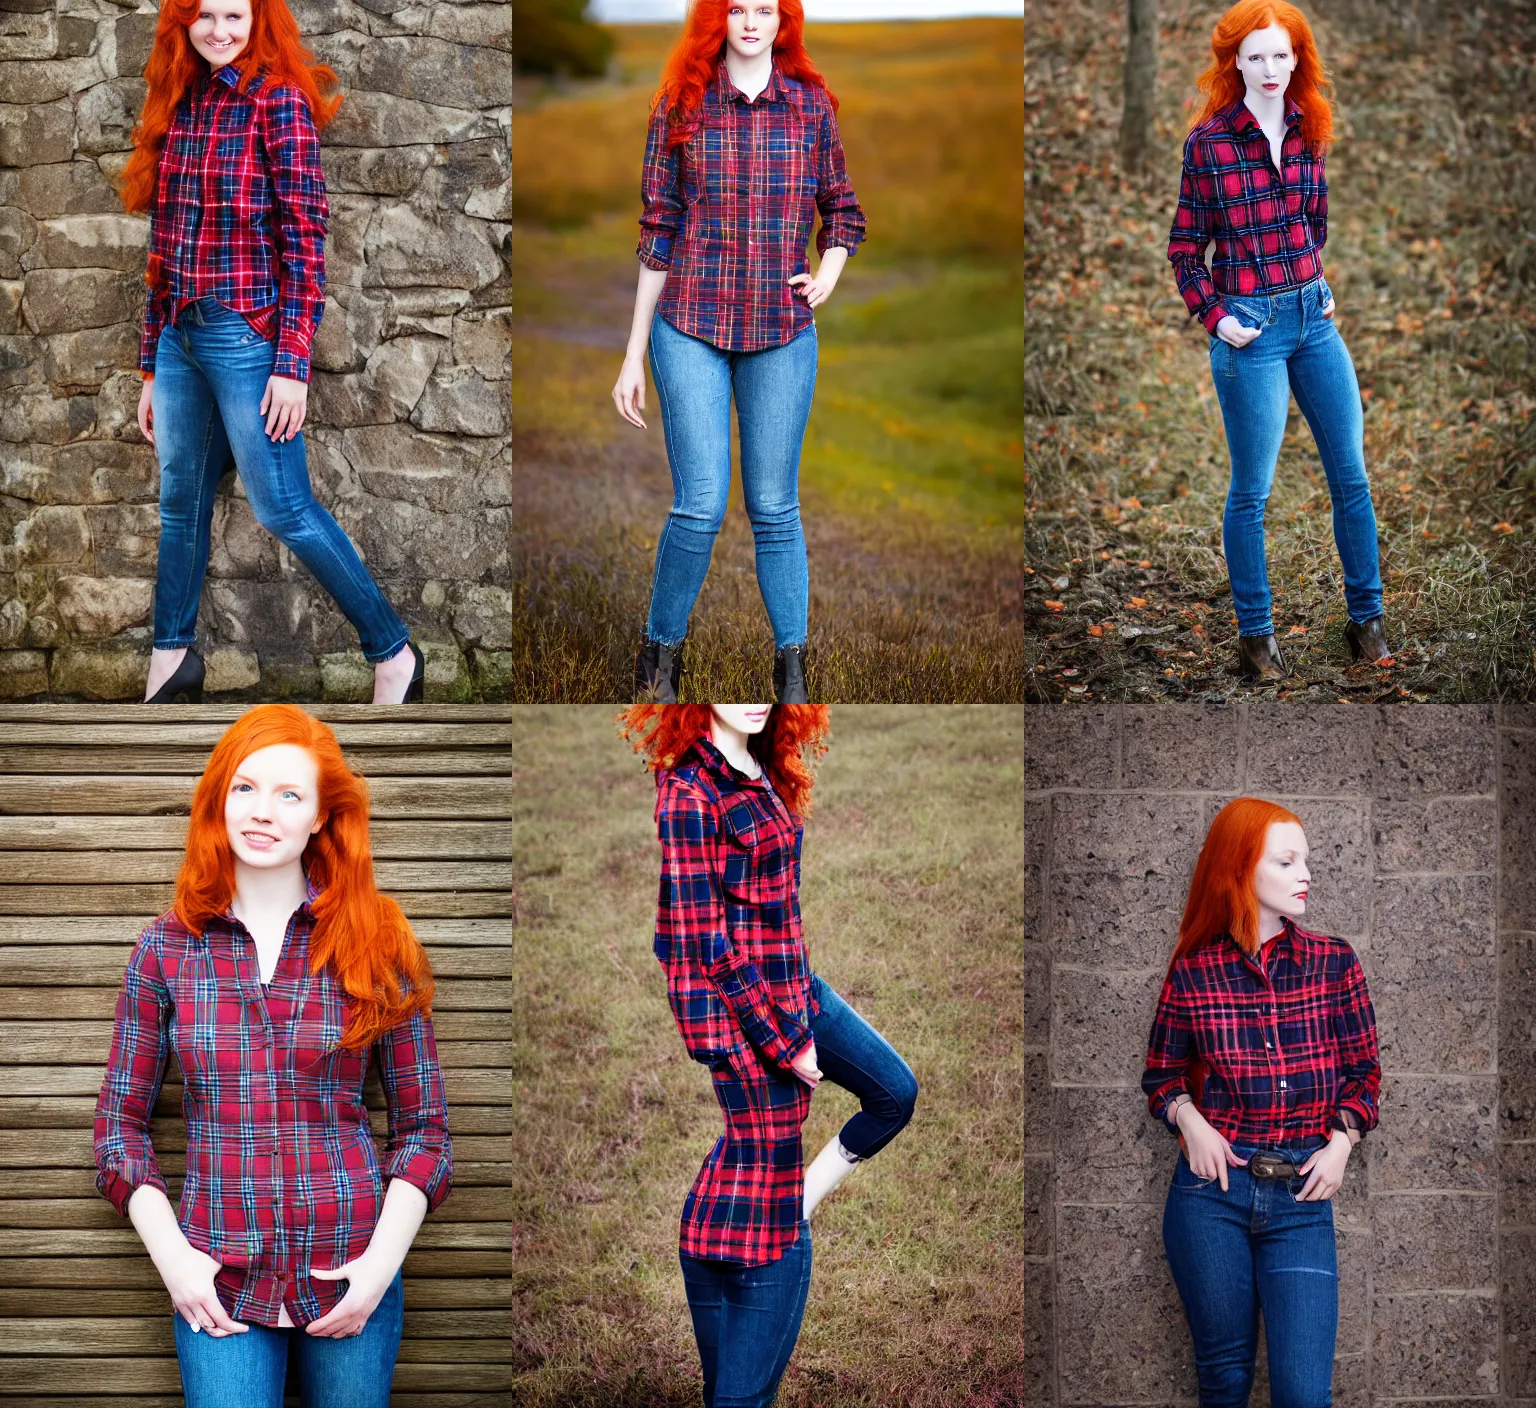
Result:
{"points": [[227, 163], [1253, 181], [732, 787], [280, 973], [1263, 1060], [743, 151]]}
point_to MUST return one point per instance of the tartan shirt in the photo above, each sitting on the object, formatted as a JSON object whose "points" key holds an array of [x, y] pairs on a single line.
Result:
{"points": [[1276, 1047], [728, 936], [240, 216], [282, 1171], [1269, 232], [728, 212]]}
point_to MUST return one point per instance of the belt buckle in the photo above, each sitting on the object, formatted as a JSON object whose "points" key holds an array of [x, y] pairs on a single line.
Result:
{"points": [[1271, 1166]]}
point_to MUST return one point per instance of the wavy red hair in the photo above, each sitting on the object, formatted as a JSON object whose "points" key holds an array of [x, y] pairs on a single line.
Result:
{"points": [[276, 46], [663, 733], [1222, 85], [1221, 895], [364, 936], [691, 65]]}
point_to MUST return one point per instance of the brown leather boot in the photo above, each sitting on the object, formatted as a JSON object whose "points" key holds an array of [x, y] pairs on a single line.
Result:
{"points": [[658, 668], [1368, 642], [1258, 658]]}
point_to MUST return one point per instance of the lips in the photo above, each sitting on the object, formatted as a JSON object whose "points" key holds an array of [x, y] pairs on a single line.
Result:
{"points": [[258, 840]]}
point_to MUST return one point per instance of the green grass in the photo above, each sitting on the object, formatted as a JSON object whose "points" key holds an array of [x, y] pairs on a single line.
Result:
{"points": [[912, 472], [1432, 204], [912, 906]]}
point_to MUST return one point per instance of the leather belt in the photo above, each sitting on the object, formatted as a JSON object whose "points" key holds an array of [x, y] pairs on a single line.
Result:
{"points": [[1271, 1166]]}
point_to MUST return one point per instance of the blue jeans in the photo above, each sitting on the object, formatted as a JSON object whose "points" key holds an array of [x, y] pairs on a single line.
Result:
{"points": [[746, 1320], [1255, 1247], [1298, 351], [852, 1054], [211, 372], [695, 381], [249, 1370]]}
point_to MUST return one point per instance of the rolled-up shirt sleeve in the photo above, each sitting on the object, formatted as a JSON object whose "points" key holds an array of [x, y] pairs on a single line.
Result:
{"points": [[125, 1157], [419, 1148], [842, 218], [1354, 1031], [661, 192], [1194, 226], [1170, 1049]]}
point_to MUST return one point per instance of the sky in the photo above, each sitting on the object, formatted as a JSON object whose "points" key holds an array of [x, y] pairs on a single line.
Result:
{"points": [[663, 11]]}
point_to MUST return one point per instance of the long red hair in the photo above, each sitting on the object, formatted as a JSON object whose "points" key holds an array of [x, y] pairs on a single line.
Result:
{"points": [[1223, 85], [276, 47], [664, 733], [363, 935], [1221, 896], [691, 65]]}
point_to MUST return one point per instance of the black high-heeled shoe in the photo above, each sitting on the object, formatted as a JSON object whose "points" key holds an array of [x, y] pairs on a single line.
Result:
{"points": [[416, 689], [187, 679]]}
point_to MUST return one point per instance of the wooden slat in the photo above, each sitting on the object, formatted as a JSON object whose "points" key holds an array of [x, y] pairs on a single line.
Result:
{"points": [[57, 1374], [481, 1293], [150, 867], [85, 755], [390, 840], [124, 929], [135, 796], [94, 733], [156, 899], [98, 965]]}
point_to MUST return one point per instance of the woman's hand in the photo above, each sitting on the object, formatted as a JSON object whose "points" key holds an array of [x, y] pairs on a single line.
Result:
{"points": [[1326, 1169], [816, 290], [283, 406], [1232, 332], [188, 1275], [146, 411], [804, 1065], [1328, 307], [367, 1279], [1206, 1147], [629, 391]]}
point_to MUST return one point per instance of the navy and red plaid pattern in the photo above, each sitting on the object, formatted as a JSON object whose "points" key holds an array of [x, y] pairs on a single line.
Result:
{"points": [[240, 215], [728, 935], [1287, 1040], [282, 1171], [728, 213], [1269, 233]]}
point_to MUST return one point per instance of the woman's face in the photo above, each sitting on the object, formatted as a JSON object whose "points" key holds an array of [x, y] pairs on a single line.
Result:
{"points": [[272, 807], [744, 718], [750, 27], [1281, 879], [1266, 62], [221, 30]]}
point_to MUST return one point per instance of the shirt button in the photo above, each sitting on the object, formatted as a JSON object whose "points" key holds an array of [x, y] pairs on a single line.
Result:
{"points": [[1282, 1085]]}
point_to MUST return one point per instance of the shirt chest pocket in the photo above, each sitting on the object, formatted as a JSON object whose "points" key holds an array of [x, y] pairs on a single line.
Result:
{"points": [[759, 867], [318, 1054]]}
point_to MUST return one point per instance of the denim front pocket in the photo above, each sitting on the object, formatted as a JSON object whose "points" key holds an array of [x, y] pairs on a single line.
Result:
{"points": [[1186, 1180]]}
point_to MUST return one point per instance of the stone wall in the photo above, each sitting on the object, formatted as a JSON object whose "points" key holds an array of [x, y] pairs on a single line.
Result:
{"points": [[1422, 822], [409, 404]]}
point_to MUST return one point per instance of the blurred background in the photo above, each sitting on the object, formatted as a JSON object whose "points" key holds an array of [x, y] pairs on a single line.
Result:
{"points": [[911, 485]]}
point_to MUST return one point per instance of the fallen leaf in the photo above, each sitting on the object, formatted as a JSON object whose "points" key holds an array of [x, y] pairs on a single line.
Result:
{"points": [[1062, 582], [1095, 630], [1503, 527], [1057, 605], [1145, 562], [1297, 631], [1138, 601], [1071, 672]]}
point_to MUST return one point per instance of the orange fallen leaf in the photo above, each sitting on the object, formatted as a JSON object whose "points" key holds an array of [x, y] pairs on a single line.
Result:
{"points": [[1503, 527], [1145, 562], [1138, 601], [1297, 631], [1095, 630], [1057, 605]]}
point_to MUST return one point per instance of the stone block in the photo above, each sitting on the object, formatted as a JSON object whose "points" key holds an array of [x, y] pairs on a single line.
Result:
{"points": [[1039, 1211], [1121, 1334], [1435, 1242], [386, 391], [384, 120], [1125, 921], [473, 24], [350, 331], [401, 538], [23, 673], [1432, 973], [1517, 831], [1037, 1103], [1519, 1298], [1068, 745], [472, 174], [102, 606], [1189, 749], [1517, 1036], [53, 535], [1037, 822], [10, 306], [105, 116], [18, 233], [93, 243], [1517, 1185], [1037, 995], [100, 671], [483, 340], [459, 401], [1039, 1332], [1436, 1134], [231, 670], [135, 37], [35, 418], [32, 81], [1433, 1344], [76, 362], [426, 310], [13, 623], [1351, 1381], [1099, 1024], [37, 132], [125, 539], [404, 250], [1339, 861], [68, 188], [117, 418], [63, 300], [492, 672], [1314, 751], [384, 171], [1354, 1252], [1109, 1149], [1447, 834], [77, 35], [241, 547], [1126, 834], [476, 76], [1434, 750], [482, 615]]}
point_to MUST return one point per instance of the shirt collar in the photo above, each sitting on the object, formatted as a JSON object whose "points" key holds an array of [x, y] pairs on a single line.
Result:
{"points": [[716, 761], [777, 89], [312, 892], [1240, 117]]}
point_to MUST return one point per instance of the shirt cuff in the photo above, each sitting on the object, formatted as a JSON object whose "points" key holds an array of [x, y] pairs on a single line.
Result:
{"points": [[827, 239], [432, 1173], [118, 1186], [291, 364], [1213, 315], [655, 254]]}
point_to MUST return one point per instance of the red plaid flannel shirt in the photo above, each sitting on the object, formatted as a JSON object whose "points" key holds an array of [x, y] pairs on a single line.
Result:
{"points": [[1269, 233], [1285, 1042], [282, 1171], [728, 935], [728, 213], [240, 215]]}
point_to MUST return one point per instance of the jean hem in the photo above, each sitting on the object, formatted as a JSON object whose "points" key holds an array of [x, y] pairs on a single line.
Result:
{"points": [[186, 644], [389, 653]]}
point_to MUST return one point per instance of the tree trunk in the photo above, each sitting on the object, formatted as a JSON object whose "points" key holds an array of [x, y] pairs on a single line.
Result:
{"points": [[1140, 83]]}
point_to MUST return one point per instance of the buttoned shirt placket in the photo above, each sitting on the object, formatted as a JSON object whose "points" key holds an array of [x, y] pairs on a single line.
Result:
{"points": [[1262, 965]]}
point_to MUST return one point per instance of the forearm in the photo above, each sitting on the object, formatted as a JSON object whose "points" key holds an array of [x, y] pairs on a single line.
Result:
{"points": [[154, 1220], [404, 1207], [832, 262], [647, 295]]}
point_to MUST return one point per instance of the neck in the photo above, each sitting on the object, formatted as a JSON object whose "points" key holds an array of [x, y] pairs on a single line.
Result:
{"points": [[1270, 924], [749, 75], [732, 742], [1269, 111], [263, 893]]}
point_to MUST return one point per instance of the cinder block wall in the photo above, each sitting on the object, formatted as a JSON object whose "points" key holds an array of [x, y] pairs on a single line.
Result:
{"points": [[409, 401], [1422, 823]]}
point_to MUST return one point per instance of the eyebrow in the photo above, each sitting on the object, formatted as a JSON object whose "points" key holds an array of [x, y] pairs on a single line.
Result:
{"points": [[243, 777]]}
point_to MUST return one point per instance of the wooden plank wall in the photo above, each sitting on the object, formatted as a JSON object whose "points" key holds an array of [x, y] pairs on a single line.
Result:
{"points": [[93, 804]]}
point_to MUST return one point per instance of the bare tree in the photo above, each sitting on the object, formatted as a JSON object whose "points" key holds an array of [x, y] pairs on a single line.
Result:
{"points": [[1140, 83]]}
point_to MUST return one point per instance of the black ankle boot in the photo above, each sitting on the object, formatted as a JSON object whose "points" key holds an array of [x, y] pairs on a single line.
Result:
{"points": [[186, 680], [1258, 658], [1368, 641], [658, 668], [789, 675]]}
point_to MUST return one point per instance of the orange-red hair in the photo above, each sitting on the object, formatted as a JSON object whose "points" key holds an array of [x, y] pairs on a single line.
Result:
{"points": [[665, 732], [1221, 894], [1223, 85], [691, 65], [276, 46], [363, 935]]}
